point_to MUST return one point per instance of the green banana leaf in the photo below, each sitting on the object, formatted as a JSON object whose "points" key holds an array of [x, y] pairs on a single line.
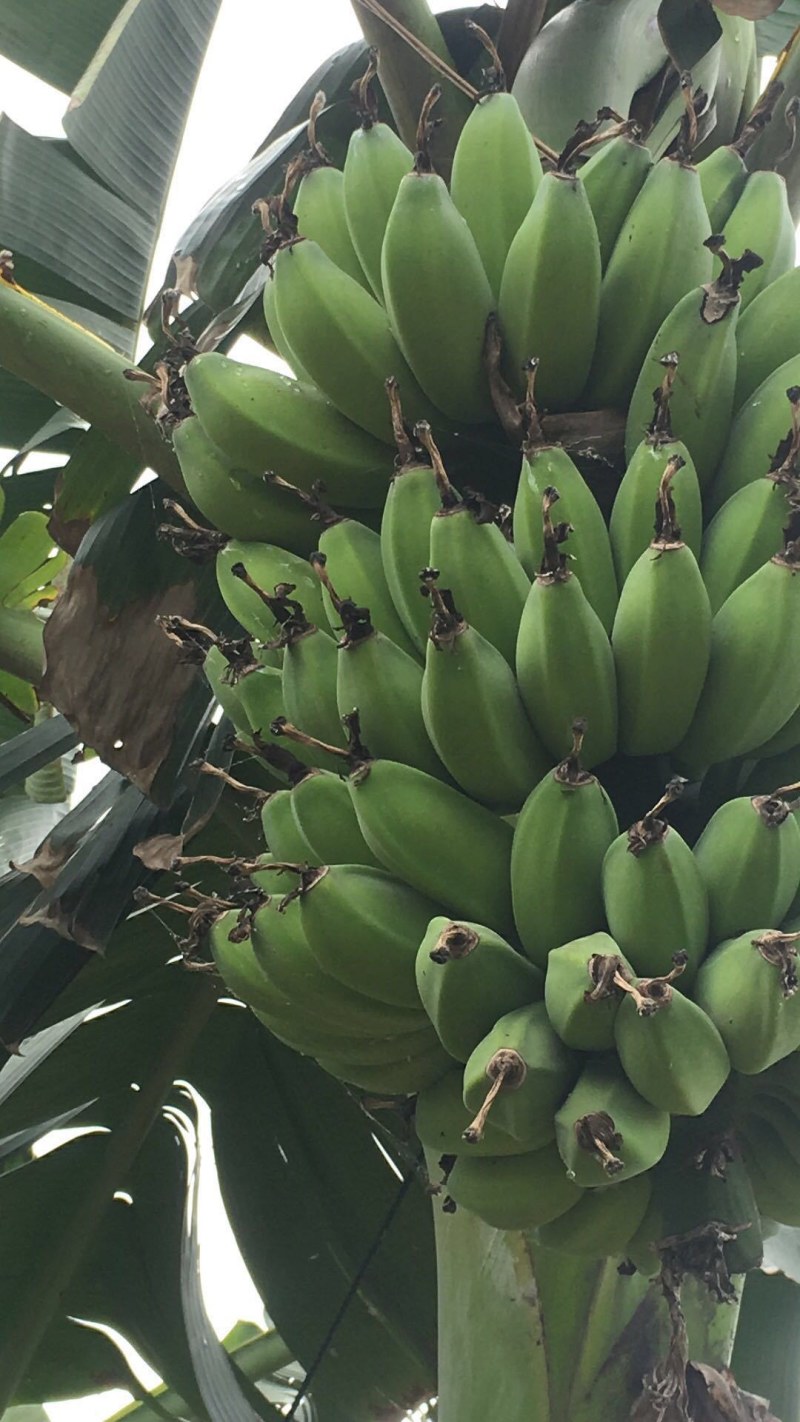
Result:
{"points": [[767, 1340]]}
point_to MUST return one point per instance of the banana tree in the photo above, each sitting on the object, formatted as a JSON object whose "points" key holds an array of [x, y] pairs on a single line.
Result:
{"points": [[336, 1213]]}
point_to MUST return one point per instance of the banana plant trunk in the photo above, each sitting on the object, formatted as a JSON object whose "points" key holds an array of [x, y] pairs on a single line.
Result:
{"points": [[528, 1335]]}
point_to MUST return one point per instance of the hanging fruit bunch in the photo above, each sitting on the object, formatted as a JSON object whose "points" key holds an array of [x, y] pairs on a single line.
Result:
{"points": [[516, 553]]}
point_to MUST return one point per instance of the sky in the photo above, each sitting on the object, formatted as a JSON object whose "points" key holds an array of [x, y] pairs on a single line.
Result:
{"points": [[259, 56]]}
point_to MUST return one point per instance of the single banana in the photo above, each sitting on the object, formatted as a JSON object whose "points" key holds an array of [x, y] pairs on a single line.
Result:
{"points": [[605, 1130], [749, 859], [268, 567], [513, 1191], [468, 977], [496, 171], [613, 177], [565, 666], [755, 436], [701, 329], [550, 291], [561, 837], [753, 682], [546, 465], [772, 1173], [670, 1049], [473, 712], [762, 220], [282, 833], [661, 637], [767, 334], [310, 665], [411, 502], [377, 161], [353, 559], [324, 813], [264, 421], [633, 515], [437, 295], [655, 897], [404, 1077], [319, 207], [724, 172], [748, 987], [441, 1118], [517, 1077], [603, 1221], [581, 993]]}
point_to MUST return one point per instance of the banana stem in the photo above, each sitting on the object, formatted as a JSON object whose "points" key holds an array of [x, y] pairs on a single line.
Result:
{"points": [[81, 372]]}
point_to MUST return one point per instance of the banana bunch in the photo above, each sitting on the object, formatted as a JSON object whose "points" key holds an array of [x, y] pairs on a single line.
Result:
{"points": [[532, 742]]}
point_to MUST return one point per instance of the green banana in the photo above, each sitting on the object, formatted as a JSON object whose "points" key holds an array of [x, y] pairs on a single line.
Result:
{"points": [[748, 987], [468, 977], [310, 664], [723, 175], [755, 434], [234, 501], [261, 694], [268, 566], [364, 928], [602, 1223], [546, 465], [404, 1077], [282, 833], [779, 753], [496, 171], [655, 898], [772, 1172], [613, 177], [702, 329], [517, 1076], [670, 1049], [354, 562], [411, 502], [513, 1191], [762, 221], [702, 1194], [753, 682], [743, 534], [605, 1131], [236, 962], [550, 291], [464, 539], [216, 670], [375, 165], [264, 421], [561, 837], [473, 713], [441, 1118], [319, 207], [749, 859], [767, 334], [658, 257], [324, 813], [661, 638], [581, 993], [565, 666], [633, 513], [437, 295], [341, 336]]}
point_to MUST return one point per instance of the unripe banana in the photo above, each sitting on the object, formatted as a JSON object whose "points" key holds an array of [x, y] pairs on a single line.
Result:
{"points": [[437, 294], [232, 499], [755, 435], [753, 682], [605, 1131], [261, 693], [772, 1172], [748, 987], [464, 539], [661, 637], [324, 813], [496, 171], [581, 993], [550, 291], [473, 713], [518, 1076], [546, 466], [513, 1191], [779, 753], [762, 220], [701, 329], [722, 175], [613, 177], [341, 336], [743, 535], [265, 421], [310, 664], [749, 859], [670, 1049], [404, 1077], [319, 206], [468, 977], [364, 928], [702, 1194], [602, 1223], [767, 334], [411, 502], [216, 670], [655, 897], [561, 837], [441, 1118], [565, 666], [268, 566], [633, 515], [377, 161], [354, 562], [236, 962], [658, 257], [283, 835]]}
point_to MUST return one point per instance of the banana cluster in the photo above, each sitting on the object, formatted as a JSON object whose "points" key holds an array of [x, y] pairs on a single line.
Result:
{"points": [[465, 897]]}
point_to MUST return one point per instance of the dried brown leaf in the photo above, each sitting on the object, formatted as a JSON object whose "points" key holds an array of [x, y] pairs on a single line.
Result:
{"points": [[160, 852], [46, 864]]}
